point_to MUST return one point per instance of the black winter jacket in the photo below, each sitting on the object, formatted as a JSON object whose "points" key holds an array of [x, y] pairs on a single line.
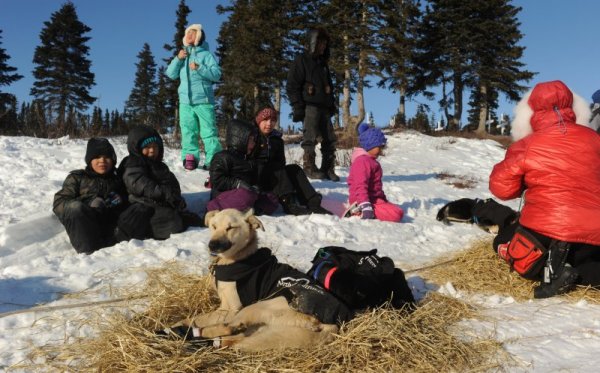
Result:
{"points": [[309, 79], [149, 181], [84, 186], [261, 276], [269, 156], [232, 166]]}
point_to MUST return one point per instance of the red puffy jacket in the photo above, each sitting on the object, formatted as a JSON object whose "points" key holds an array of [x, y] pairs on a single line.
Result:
{"points": [[558, 167]]}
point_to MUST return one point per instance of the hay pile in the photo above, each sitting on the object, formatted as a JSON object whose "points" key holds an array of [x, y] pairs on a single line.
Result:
{"points": [[479, 270], [381, 340]]}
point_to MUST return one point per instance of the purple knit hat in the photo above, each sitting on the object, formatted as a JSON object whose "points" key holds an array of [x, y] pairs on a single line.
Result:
{"points": [[596, 97], [370, 137]]}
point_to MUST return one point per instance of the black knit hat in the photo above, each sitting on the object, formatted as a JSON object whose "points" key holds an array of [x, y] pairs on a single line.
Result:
{"points": [[98, 146]]}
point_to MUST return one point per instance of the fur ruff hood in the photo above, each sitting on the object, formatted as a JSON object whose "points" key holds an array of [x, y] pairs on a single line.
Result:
{"points": [[540, 107]]}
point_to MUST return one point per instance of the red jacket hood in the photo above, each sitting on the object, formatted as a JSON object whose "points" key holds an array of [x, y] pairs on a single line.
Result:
{"points": [[546, 105]]}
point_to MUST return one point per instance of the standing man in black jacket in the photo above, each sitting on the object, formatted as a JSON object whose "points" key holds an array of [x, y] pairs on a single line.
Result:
{"points": [[310, 90]]}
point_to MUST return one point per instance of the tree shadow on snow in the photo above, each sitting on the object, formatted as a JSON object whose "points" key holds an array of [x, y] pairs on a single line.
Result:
{"points": [[420, 287], [416, 177], [196, 202], [23, 293]]}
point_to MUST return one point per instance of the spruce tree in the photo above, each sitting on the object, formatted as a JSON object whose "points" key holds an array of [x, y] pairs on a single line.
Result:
{"points": [[172, 102], [96, 124], [496, 58], [140, 104], [444, 52], [162, 113], [8, 102], [253, 55], [63, 76], [397, 39]]}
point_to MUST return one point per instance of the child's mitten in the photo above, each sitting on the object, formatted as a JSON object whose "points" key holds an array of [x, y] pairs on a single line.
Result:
{"points": [[97, 203]]}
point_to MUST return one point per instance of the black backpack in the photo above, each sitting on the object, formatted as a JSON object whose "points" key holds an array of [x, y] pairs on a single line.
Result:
{"points": [[361, 279]]}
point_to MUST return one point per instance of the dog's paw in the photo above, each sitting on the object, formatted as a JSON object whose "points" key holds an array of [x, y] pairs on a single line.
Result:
{"points": [[309, 322]]}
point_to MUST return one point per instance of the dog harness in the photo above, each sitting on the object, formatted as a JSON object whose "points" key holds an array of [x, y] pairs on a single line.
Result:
{"points": [[260, 276]]}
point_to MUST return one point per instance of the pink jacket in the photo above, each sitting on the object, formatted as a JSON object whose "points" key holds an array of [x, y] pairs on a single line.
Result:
{"points": [[364, 181]]}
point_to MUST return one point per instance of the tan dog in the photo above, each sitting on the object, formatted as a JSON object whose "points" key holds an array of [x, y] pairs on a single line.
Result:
{"points": [[262, 324]]}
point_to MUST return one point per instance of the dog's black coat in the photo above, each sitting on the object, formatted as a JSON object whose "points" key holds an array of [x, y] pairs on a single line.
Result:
{"points": [[261, 276]]}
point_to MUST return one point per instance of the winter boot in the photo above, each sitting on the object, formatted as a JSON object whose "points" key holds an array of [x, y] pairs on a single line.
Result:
{"points": [[191, 219], [190, 163], [352, 210], [314, 205], [310, 168], [564, 283], [290, 206], [328, 167]]}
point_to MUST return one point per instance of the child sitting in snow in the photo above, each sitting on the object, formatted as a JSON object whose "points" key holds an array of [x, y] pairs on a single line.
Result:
{"points": [[366, 195], [91, 199], [234, 176], [157, 208]]}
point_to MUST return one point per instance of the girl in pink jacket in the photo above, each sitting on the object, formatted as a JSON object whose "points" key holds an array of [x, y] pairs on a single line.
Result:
{"points": [[364, 181]]}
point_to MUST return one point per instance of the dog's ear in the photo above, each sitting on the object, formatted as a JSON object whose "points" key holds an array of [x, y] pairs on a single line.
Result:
{"points": [[253, 221], [209, 215]]}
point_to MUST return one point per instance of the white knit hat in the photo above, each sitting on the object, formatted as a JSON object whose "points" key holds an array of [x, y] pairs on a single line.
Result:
{"points": [[198, 28]]}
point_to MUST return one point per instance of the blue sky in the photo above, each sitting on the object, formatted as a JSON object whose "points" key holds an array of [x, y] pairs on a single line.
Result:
{"points": [[560, 38]]}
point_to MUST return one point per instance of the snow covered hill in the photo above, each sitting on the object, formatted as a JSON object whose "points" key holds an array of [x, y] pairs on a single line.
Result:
{"points": [[38, 265]]}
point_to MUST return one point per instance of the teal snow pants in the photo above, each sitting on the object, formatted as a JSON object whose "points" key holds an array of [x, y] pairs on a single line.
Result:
{"points": [[198, 121]]}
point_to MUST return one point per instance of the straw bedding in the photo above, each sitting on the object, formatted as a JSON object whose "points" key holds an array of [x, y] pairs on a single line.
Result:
{"points": [[428, 339], [479, 270]]}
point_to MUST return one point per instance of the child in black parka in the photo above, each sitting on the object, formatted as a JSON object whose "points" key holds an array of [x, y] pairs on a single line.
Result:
{"points": [[91, 199], [157, 208]]}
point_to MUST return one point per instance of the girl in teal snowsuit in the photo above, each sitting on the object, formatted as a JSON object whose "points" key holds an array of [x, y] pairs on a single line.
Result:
{"points": [[197, 70]]}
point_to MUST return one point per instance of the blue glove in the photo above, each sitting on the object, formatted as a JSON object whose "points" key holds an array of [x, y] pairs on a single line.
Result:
{"points": [[113, 200], [366, 210]]}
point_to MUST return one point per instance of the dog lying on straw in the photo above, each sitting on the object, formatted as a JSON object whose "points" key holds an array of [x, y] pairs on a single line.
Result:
{"points": [[264, 304]]}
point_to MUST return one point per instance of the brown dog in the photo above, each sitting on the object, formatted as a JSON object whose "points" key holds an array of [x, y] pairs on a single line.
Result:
{"points": [[255, 311]]}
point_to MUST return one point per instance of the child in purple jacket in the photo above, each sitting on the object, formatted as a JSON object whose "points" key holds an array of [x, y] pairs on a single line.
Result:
{"points": [[366, 188]]}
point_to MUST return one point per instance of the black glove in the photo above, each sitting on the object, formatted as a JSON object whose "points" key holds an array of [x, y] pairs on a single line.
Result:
{"points": [[244, 185], [173, 200], [298, 113]]}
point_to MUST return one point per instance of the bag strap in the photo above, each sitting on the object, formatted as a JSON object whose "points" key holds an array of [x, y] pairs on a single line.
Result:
{"points": [[557, 259]]}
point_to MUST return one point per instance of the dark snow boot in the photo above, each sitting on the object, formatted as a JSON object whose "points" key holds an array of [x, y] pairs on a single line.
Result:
{"points": [[328, 167], [309, 166], [314, 205], [191, 219], [291, 206], [564, 283]]}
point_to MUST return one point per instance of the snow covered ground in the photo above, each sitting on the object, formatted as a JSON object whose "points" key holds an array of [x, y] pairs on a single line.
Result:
{"points": [[38, 265]]}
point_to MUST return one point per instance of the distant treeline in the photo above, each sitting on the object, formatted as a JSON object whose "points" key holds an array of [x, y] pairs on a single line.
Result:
{"points": [[412, 48]]}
